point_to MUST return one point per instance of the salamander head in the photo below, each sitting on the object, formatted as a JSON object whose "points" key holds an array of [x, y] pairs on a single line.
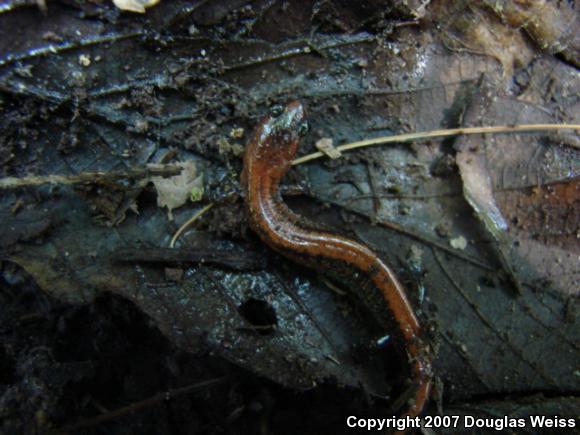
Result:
{"points": [[275, 141], [290, 119]]}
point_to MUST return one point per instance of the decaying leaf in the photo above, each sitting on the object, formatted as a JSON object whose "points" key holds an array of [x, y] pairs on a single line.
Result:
{"points": [[552, 25], [327, 147], [111, 201], [173, 192], [481, 32], [483, 164], [138, 6]]}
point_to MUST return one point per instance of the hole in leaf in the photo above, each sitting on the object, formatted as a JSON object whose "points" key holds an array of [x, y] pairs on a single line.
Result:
{"points": [[260, 314]]}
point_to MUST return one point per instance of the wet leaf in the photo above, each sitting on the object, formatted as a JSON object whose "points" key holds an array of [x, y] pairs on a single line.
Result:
{"points": [[184, 95]]}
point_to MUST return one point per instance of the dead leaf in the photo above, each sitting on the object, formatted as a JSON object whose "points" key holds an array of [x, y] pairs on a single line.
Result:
{"points": [[138, 6], [173, 192], [327, 147]]}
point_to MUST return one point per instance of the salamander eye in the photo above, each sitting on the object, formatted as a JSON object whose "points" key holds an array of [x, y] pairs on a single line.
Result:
{"points": [[276, 110], [302, 128]]}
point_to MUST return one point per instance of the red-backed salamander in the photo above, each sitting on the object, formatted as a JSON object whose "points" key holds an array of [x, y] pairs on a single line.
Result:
{"points": [[267, 157]]}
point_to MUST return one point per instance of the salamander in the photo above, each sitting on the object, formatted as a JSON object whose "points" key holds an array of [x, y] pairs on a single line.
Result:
{"points": [[267, 158]]}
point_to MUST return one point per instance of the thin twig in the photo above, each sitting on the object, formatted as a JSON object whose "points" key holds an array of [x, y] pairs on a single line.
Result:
{"points": [[90, 177], [298, 51], [229, 258], [378, 91], [66, 46], [159, 81], [139, 406], [516, 188], [373, 188], [406, 196], [189, 223], [19, 88], [410, 137]]}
